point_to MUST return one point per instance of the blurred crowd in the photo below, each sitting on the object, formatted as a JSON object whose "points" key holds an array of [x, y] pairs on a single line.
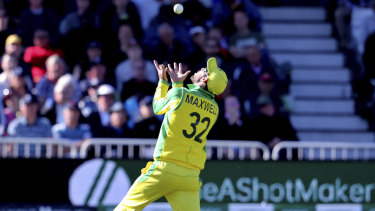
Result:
{"points": [[77, 69], [354, 22]]}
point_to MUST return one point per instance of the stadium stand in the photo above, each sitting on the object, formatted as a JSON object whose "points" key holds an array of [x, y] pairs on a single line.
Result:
{"points": [[312, 77], [296, 124], [321, 92]]}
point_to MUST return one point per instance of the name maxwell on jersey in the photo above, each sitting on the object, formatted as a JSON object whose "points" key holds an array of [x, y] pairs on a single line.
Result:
{"points": [[202, 104]]}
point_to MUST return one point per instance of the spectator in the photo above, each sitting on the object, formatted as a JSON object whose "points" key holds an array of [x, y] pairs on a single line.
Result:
{"points": [[95, 74], [94, 55], [233, 120], [88, 102], [120, 11], [354, 22], [13, 46], [211, 48], [94, 51], [267, 87], [363, 87], [177, 24], [92, 118], [77, 29], [5, 31], [98, 117], [29, 124], [16, 91], [106, 98], [195, 13], [37, 55], [218, 34], [362, 24], [223, 10], [139, 85], [169, 48], [198, 36], [9, 111], [19, 83], [243, 36], [56, 68], [124, 70], [81, 18], [63, 94], [8, 64], [118, 127], [125, 36], [36, 17], [13, 76], [148, 10], [269, 126], [147, 125], [246, 76], [71, 128], [342, 23]]}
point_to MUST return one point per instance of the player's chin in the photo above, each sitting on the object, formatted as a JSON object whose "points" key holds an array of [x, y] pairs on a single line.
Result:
{"points": [[192, 78]]}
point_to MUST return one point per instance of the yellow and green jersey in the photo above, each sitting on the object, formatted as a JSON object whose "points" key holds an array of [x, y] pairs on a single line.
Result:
{"points": [[189, 116]]}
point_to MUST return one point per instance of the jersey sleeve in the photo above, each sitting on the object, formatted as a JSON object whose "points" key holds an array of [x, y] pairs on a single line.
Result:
{"points": [[165, 100]]}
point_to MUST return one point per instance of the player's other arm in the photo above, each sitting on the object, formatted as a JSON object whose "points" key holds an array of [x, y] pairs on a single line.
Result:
{"points": [[170, 101]]}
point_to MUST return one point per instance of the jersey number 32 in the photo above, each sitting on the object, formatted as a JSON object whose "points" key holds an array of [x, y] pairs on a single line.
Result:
{"points": [[194, 125]]}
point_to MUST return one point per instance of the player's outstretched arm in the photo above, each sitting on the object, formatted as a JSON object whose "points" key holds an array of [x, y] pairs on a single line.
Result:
{"points": [[176, 74], [162, 71]]}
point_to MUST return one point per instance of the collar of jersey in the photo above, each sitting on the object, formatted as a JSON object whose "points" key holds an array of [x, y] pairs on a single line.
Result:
{"points": [[198, 88]]}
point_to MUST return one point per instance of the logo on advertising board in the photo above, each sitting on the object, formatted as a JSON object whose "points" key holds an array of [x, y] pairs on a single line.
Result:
{"points": [[246, 189], [253, 186], [98, 182]]}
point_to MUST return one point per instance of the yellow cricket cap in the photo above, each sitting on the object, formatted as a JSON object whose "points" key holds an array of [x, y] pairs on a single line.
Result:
{"points": [[13, 38], [217, 79]]}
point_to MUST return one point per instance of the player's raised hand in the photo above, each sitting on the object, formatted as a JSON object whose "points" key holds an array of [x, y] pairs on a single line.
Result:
{"points": [[162, 70], [176, 74]]}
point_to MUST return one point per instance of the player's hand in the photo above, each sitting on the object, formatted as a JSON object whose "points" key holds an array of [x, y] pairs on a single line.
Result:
{"points": [[162, 70], [176, 74]]}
